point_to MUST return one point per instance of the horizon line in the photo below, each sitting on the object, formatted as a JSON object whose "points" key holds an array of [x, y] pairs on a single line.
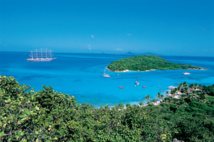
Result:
{"points": [[132, 53]]}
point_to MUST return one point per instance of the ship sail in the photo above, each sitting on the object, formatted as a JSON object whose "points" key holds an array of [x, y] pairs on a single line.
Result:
{"points": [[40, 59]]}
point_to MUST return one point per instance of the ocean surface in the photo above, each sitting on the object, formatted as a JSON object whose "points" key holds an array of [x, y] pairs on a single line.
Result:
{"points": [[81, 76]]}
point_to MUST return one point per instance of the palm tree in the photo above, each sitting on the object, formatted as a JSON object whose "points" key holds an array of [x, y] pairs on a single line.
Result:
{"points": [[147, 97], [200, 86], [191, 86], [185, 85], [167, 93], [195, 86], [181, 85], [185, 89], [178, 88], [174, 92], [159, 95], [168, 99], [194, 94]]}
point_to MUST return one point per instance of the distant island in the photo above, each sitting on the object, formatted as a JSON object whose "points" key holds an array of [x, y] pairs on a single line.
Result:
{"points": [[146, 63]]}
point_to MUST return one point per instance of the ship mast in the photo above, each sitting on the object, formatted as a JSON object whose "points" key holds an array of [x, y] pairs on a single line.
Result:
{"points": [[36, 54], [50, 54], [32, 54], [46, 53], [41, 53]]}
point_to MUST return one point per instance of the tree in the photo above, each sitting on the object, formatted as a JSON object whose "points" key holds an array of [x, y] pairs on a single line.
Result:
{"points": [[147, 97], [161, 97], [25, 117], [209, 90], [167, 93], [158, 95]]}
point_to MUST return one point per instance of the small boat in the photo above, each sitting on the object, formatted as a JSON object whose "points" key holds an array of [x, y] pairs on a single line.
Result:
{"points": [[121, 87], [159, 85], [161, 90], [186, 73], [144, 86], [137, 83], [106, 75]]}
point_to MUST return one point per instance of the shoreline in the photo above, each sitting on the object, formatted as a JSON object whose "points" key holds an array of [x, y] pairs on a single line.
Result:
{"points": [[127, 70], [177, 96]]}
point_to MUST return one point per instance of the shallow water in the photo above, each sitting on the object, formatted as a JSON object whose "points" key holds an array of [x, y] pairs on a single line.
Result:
{"points": [[80, 75]]}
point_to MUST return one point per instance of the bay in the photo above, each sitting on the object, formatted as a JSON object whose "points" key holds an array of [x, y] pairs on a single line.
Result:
{"points": [[81, 75]]}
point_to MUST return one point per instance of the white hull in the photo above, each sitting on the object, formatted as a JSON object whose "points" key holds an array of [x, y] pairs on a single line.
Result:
{"points": [[186, 73], [40, 59], [106, 75]]}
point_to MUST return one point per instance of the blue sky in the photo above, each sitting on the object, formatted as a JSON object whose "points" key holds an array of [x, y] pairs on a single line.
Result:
{"points": [[168, 27]]}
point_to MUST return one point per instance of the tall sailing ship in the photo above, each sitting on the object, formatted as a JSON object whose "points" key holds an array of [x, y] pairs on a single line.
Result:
{"points": [[35, 57]]}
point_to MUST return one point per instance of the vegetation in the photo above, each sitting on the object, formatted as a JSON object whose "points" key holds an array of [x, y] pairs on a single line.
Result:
{"points": [[27, 115], [146, 62]]}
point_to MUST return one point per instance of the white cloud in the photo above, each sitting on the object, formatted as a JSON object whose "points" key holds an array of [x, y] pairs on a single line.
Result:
{"points": [[89, 47], [92, 36], [119, 49]]}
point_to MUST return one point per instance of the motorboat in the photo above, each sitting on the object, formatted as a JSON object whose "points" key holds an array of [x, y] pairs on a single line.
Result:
{"points": [[186, 73], [106, 75], [137, 83]]}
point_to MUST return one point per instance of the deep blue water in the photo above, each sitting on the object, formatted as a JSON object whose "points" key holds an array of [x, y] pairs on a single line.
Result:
{"points": [[80, 75]]}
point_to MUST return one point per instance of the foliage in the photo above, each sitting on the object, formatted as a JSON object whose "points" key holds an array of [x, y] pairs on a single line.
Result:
{"points": [[46, 115], [146, 62], [209, 90]]}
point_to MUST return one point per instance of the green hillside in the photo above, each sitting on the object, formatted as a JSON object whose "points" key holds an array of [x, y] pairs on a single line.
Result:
{"points": [[47, 115], [146, 62]]}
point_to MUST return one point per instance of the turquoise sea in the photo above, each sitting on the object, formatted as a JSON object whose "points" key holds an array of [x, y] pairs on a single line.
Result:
{"points": [[80, 75]]}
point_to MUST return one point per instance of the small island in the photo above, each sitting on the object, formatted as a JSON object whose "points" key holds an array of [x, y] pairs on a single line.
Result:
{"points": [[146, 63]]}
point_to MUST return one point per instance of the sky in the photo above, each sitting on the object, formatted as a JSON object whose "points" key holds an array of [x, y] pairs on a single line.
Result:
{"points": [[166, 27]]}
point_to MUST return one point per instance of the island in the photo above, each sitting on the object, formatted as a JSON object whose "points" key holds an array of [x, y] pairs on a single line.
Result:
{"points": [[146, 63]]}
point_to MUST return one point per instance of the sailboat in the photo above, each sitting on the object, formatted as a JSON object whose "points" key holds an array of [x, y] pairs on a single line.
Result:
{"points": [[104, 74], [40, 59], [137, 82]]}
